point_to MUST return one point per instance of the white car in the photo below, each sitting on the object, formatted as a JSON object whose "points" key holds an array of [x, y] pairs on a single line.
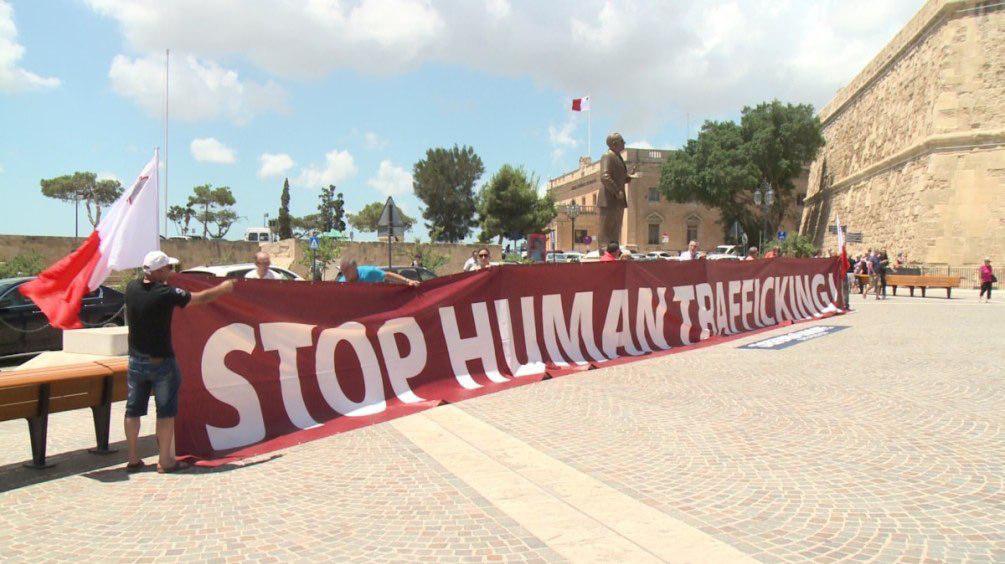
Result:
{"points": [[660, 255], [238, 271], [725, 252], [573, 256]]}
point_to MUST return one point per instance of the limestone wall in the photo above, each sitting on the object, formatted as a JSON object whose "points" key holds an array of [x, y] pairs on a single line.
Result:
{"points": [[914, 144]]}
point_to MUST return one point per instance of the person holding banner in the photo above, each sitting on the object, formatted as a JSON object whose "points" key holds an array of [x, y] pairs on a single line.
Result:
{"points": [[150, 303], [483, 257], [352, 272]]}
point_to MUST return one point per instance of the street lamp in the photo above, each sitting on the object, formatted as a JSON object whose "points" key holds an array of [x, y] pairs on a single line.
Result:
{"points": [[767, 198], [572, 210]]}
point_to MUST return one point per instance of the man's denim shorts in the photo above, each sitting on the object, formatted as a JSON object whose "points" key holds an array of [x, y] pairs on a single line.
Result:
{"points": [[161, 378]]}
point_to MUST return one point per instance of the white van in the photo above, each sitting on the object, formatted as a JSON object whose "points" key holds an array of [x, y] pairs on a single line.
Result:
{"points": [[258, 235]]}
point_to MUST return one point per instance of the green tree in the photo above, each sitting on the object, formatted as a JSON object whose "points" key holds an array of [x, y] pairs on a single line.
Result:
{"points": [[428, 255], [181, 216], [794, 245], [510, 207], [305, 225], [366, 219], [329, 250], [213, 207], [723, 166], [445, 182], [85, 187], [25, 264], [284, 223], [331, 210]]}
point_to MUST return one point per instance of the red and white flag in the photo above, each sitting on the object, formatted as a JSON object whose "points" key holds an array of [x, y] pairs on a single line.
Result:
{"points": [[126, 233], [581, 104]]}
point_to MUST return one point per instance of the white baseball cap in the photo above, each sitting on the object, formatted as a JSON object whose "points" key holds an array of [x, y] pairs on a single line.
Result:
{"points": [[156, 260]]}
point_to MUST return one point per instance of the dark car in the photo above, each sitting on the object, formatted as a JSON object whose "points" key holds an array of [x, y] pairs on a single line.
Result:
{"points": [[25, 329], [419, 273]]}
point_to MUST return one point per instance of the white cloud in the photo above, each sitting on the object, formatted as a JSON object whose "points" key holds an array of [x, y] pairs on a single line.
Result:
{"points": [[338, 166], [391, 180], [373, 141], [1, 169], [643, 144], [561, 138], [274, 165], [200, 90], [210, 150], [13, 78], [498, 9], [643, 61], [109, 176]]}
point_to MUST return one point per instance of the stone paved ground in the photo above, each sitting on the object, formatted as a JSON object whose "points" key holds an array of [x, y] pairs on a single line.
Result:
{"points": [[880, 442]]}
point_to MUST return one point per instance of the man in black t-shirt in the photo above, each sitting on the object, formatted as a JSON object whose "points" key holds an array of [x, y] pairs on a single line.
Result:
{"points": [[150, 303]]}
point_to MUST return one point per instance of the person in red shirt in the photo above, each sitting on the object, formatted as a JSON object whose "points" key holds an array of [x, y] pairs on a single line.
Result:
{"points": [[613, 252]]}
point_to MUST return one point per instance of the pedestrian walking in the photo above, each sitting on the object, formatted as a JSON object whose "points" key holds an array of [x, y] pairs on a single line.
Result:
{"points": [[884, 265], [150, 303], [988, 279]]}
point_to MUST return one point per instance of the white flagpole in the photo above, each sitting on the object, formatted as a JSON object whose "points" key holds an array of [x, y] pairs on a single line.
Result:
{"points": [[589, 129], [167, 67]]}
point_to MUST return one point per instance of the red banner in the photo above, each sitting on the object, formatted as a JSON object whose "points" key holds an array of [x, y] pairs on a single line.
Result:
{"points": [[278, 363]]}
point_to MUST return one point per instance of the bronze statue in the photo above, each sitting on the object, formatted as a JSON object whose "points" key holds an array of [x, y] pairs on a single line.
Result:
{"points": [[612, 200]]}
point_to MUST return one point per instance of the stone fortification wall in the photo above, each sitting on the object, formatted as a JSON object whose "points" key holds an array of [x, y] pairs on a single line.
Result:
{"points": [[914, 155], [289, 254], [191, 253]]}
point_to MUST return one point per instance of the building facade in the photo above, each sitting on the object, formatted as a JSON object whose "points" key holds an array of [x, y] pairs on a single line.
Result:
{"points": [[651, 221], [915, 154]]}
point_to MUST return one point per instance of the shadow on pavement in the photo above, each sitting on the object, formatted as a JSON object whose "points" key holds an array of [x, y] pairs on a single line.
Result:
{"points": [[119, 474], [16, 475]]}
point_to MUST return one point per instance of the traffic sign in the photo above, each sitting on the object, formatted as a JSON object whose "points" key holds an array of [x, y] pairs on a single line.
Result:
{"points": [[390, 224], [313, 243]]}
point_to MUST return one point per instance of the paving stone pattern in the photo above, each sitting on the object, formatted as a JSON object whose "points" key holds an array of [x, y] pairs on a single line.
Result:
{"points": [[882, 442]]}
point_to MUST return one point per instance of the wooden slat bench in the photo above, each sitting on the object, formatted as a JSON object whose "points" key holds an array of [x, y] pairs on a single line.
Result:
{"points": [[33, 394], [913, 281]]}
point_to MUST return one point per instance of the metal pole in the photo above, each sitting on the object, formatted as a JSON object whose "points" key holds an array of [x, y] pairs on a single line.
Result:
{"points": [[76, 215], [167, 67], [574, 234], [390, 233]]}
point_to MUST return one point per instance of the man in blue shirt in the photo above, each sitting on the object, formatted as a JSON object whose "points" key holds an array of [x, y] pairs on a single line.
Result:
{"points": [[351, 272]]}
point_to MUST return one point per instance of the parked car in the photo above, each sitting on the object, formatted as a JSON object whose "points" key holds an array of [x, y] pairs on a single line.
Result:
{"points": [[573, 256], [725, 252], [419, 273], [238, 271], [25, 329], [660, 255]]}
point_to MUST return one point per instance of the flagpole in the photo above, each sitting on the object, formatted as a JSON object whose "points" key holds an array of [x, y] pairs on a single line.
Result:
{"points": [[167, 67], [589, 130]]}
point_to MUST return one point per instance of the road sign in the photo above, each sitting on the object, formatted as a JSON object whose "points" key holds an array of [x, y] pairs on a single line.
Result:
{"points": [[587, 239], [782, 235], [313, 243], [390, 221]]}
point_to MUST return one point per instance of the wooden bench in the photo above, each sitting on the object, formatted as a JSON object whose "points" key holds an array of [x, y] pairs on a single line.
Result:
{"points": [[33, 394], [913, 281], [923, 282]]}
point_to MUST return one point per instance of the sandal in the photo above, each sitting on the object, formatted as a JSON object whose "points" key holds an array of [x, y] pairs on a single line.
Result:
{"points": [[135, 467], [178, 466]]}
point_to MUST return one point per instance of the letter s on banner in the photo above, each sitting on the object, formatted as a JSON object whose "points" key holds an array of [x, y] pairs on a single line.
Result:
{"points": [[231, 388]]}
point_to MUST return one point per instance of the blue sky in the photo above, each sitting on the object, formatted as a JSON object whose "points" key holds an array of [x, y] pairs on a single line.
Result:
{"points": [[353, 92]]}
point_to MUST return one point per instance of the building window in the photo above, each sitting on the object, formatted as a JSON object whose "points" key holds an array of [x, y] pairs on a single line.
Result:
{"points": [[654, 194], [654, 233], [692, 229], [594, 199]]}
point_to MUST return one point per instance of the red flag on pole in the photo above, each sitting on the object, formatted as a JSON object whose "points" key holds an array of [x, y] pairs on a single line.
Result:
{"points": [[581, 104]]}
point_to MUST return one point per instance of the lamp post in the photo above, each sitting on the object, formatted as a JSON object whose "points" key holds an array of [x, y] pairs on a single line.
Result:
{"points": [[767, 198], [572, 210]]}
